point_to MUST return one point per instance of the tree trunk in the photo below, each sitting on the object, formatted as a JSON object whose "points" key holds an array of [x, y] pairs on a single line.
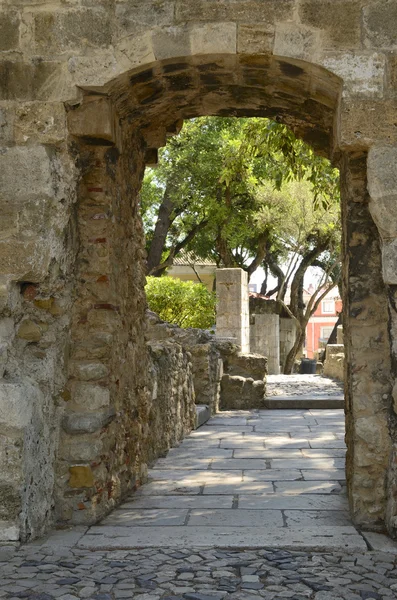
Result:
{"points": [[163, 223], [296, 348]]}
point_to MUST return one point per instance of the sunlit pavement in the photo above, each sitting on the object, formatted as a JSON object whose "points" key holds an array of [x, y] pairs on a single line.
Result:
{"points": [[251, 505]]}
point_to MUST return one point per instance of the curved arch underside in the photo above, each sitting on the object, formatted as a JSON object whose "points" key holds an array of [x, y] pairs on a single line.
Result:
{"points": [[302, 95]]}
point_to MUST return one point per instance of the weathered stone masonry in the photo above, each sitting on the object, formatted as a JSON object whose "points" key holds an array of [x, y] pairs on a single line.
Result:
{"points": [[88, 92]]}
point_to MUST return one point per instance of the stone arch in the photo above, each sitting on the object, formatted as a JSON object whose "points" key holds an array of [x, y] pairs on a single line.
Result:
{"points": [[72, 131], [119, 128]]}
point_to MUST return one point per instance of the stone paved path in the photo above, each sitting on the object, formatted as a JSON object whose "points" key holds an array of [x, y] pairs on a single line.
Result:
{"points": [[303, 385], [245, 479], [235, 512]]}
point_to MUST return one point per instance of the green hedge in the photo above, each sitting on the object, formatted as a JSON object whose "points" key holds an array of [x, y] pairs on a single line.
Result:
{"points": [[185, 303]]}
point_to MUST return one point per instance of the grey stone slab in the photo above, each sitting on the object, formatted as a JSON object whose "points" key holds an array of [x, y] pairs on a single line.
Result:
{"points": [[299, 442], [214, 429], [316, 538], [307, 487], [203, 414], [188, 502], [236, 518], [127, 517], [323, 444], [169, 487], [286, 502], [243, 487], [272, 475], [301, 429], [229, 421], [198, 453], [242, 443], [308, 463], [380, 542], [238, 463], [317, 517], [324, 452], [192, 476], [270, 453], [191, 463], [328, 474]]}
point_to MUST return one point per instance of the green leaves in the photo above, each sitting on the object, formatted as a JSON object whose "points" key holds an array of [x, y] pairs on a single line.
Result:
{"points": [[184, 303]]}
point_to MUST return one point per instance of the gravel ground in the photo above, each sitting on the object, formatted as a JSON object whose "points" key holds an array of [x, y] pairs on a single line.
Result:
{"points": [[316, 386], [197, 574]]}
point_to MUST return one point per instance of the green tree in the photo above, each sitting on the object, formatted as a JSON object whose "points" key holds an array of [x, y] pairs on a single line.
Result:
{"points": [[184, 303], [246, 192]]}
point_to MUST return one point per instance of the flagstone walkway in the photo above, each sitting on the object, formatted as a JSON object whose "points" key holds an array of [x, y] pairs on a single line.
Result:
{"points": [[245, 479], [251, 505]]}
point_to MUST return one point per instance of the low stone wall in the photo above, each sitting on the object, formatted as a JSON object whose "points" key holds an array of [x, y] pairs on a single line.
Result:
{"points": [[205, 357], [172, 412], [334, 361], [243, 384]]}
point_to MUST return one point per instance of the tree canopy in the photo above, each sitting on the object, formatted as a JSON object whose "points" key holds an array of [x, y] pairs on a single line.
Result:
{"points": [[246, 193]]}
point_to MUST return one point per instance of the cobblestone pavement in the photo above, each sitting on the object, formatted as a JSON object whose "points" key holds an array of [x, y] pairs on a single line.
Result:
{"points": [[315, 386], [196, 574]]}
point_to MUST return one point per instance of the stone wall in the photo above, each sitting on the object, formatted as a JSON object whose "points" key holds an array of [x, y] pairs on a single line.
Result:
{"points": [[89, 92], [205, 357], [334, 364]]}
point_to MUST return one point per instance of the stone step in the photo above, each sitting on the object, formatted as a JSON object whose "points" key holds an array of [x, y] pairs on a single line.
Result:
{"points": [[320, 538], [307, 402], [203, 414]]}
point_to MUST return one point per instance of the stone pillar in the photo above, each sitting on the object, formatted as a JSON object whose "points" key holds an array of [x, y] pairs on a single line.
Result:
{"points": [[367, 347], [232, 314], [287, 338], [265, 339], [382, 186]]}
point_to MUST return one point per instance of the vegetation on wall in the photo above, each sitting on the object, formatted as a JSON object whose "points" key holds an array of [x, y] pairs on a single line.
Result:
{"points": [[184, 303]]}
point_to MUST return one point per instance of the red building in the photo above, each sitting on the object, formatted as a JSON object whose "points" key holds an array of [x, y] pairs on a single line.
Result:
{"points": [[322, 321]]}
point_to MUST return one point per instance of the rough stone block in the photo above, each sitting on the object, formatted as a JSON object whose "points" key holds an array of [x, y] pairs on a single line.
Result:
{"points": [[25, 171], [246, 365], [255, 39], [134, 16], [39, 80], [76, 423], [137, 49], [170, 42], [214, 38], [43, 123], [17, 401], [88, 371], [382, 175], [24, 261], [9, 31], [7, 116], [58, 32], [362, 74], [379, 24], [9, 531], [90, 397], [339, 21], [81, 477], [389, 261], [334, 361], [93, 119], [29, 331], [360, 126], [239, 393], [296, 41], [241, 11]]}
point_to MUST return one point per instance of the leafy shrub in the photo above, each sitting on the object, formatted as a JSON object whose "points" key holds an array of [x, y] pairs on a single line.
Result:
{"points": [[185, 303]]}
